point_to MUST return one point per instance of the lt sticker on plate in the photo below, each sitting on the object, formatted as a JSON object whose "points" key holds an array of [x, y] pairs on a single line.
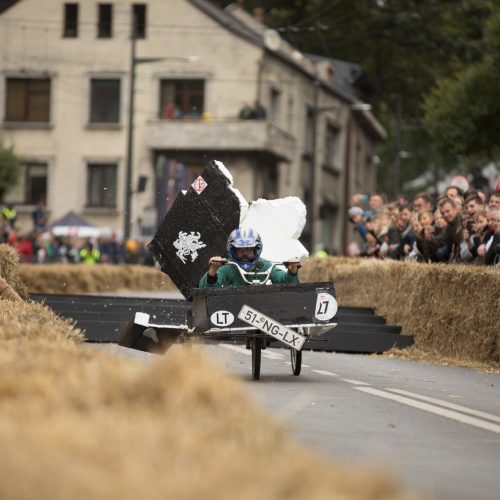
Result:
{"points": [[222, 318]]}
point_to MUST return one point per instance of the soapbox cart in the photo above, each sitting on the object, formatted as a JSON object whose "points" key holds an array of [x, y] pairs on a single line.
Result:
{"points": [[255, 315], [195, 229]]}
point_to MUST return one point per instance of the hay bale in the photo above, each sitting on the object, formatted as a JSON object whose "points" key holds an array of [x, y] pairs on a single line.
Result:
{"points": [[79, 423], [450, 310], [9, 269], [29, 321], [84, 278]]}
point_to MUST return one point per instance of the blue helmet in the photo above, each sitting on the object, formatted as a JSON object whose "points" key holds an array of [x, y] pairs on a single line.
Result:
{"points": [[244, 238]]}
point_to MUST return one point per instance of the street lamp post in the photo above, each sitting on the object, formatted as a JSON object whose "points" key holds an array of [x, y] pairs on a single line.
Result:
{"points": [[130, 142], [134, 61]]}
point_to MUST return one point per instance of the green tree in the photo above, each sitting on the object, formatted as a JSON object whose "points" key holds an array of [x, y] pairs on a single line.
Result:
{"points": [[404, 47], [10, 167], [462, 113]]}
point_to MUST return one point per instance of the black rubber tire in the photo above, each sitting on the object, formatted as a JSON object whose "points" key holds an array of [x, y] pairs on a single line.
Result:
{"points": [[256, 357], [296, 359]]}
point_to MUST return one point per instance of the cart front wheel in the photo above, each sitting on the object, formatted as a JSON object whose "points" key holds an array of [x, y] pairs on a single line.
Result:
{"points": [[256, 345], [296, 359]]}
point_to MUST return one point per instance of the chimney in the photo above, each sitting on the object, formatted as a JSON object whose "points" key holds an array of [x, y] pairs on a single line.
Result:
{"points": [[259, 13]]}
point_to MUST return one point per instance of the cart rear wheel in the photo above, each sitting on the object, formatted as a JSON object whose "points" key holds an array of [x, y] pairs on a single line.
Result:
{"points": [[296, 359], [256, 345]]}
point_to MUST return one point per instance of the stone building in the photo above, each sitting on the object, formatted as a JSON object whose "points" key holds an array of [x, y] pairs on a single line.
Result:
{"points": [[66, 74]]}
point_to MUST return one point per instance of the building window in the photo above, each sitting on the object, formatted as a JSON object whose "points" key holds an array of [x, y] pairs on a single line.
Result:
{"points": [[31, 187], [28, 100], [309, 131], [139, 20], [274, 104], [36, 183], [105, 22], [181, 98], [70, 29], [104, 100], [331, 142], [101, 186]]}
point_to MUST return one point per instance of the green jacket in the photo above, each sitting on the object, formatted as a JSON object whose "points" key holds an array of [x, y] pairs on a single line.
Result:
{"points": [[229, 275]]}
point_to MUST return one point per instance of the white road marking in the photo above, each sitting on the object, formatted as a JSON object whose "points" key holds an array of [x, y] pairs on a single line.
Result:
{"points": [[272, 355], [446, 404], [241, 350], [355, 382], [248, 352], [453, 415], [324, 372]]}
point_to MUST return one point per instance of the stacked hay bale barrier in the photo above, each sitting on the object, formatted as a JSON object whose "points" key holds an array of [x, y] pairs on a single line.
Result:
{"points": [[84, 278], [451, 310], [80, 423]]}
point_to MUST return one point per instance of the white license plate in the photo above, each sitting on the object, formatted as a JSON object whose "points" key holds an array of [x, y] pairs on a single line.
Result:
{"points": [[271, 327]]}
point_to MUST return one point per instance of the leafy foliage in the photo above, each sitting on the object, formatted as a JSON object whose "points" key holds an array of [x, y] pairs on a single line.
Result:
{"points": [[463, 113], [405, 47]]}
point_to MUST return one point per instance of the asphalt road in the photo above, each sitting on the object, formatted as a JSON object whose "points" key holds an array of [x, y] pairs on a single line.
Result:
{"points": [[434, 429]]}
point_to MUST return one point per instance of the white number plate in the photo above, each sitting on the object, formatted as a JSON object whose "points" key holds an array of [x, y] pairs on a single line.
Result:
{"points": [[271, 327]]}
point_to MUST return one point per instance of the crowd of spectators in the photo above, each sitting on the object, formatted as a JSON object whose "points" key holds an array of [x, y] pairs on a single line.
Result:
{"points": [[41, 246], [456, 227]]}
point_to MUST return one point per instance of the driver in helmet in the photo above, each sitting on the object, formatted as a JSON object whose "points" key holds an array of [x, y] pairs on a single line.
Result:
{"points": [[244, 246]]}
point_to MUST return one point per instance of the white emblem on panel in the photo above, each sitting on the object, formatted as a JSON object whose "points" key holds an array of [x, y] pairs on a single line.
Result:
{"points": [[199, 184], [188, 245], [222, 318], [326, 306]]}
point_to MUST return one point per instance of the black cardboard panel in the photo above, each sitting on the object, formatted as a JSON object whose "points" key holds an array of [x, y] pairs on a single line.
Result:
{"points": [[195, 229]]}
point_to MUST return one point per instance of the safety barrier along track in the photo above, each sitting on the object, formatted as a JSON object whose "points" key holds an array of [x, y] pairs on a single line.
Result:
{"points": [[102, 318]]}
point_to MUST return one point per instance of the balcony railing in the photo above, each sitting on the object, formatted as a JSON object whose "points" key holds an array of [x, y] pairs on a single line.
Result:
{"points": [[220, 135]]}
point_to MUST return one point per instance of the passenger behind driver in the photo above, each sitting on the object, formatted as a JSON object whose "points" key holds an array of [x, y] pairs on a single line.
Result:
{"points": [[244, 247]]}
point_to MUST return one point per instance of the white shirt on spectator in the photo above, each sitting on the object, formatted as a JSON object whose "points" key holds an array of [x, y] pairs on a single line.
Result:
{"points": [[465, 253]]}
